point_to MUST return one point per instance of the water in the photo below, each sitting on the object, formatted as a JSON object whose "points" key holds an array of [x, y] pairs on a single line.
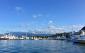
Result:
{"points": [[40, 46]]}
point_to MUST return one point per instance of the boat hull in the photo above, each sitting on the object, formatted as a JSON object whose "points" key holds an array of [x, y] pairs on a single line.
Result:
{"points": [[79, 41], [4, 39]]}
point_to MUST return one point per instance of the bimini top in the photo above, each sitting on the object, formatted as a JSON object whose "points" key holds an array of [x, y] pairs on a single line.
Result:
{"points": [[83, 28]]}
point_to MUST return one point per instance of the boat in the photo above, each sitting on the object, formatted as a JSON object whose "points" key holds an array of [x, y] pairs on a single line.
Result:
{"points": [[4, 38], [79, 39]]}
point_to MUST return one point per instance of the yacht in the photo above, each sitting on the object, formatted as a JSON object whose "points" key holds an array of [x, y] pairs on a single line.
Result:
{"points": [[79, 39]]}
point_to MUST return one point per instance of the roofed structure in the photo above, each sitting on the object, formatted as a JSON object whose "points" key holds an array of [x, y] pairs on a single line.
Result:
{"points": [[83, 28], [82, 31]]}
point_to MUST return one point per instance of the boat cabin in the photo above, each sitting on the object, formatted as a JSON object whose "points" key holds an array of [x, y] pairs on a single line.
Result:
{"points": [[82, 31]]}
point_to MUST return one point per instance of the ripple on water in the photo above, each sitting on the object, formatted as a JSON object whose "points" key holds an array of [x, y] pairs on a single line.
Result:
{"points": [[40, 46]]}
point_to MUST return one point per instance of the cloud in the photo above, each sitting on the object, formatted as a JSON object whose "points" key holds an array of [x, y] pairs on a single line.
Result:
{"points": [[76, 27], [34, 16], [50, 21], [43, 16], [60, 29], [37, 16], [18, 8]]}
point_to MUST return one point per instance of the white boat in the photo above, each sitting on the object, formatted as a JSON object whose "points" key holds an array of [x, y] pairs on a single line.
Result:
{"points": [[79, 39]]}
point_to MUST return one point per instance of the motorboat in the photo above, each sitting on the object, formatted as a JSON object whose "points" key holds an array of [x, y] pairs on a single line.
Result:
{"points": [[79, 39]]}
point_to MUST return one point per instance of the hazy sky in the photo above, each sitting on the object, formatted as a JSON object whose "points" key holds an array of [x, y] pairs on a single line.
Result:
{"points": [[21, 14]]}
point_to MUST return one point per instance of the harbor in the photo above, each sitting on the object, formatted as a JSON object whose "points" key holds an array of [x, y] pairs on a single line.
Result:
{"points": [[14, 36], [42, 26], [41, 36], [76, 37]]}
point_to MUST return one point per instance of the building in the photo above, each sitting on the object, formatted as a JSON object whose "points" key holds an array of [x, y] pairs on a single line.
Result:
{"points": [[60, 36]]}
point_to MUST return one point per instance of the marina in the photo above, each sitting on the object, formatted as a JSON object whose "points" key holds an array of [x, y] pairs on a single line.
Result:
{"points": [[42, 26], [76, 37], [80, 37]]}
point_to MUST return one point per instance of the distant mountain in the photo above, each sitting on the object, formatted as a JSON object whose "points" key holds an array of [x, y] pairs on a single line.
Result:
{"points": [[1, 34], [27, 34]]}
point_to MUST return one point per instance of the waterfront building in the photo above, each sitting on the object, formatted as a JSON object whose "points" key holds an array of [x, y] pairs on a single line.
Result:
{"points": [[8, 37], [60, 36], [23, 36]]}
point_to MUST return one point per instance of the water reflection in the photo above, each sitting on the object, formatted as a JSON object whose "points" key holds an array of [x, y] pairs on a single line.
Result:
{"points": [[40, 46]]}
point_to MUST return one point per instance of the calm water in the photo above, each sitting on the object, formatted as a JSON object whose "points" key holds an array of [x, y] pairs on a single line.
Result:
{"points": [[40, 46]]}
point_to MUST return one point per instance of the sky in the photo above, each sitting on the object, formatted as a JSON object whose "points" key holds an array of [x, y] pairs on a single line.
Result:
{"points": [[26, 15]]}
